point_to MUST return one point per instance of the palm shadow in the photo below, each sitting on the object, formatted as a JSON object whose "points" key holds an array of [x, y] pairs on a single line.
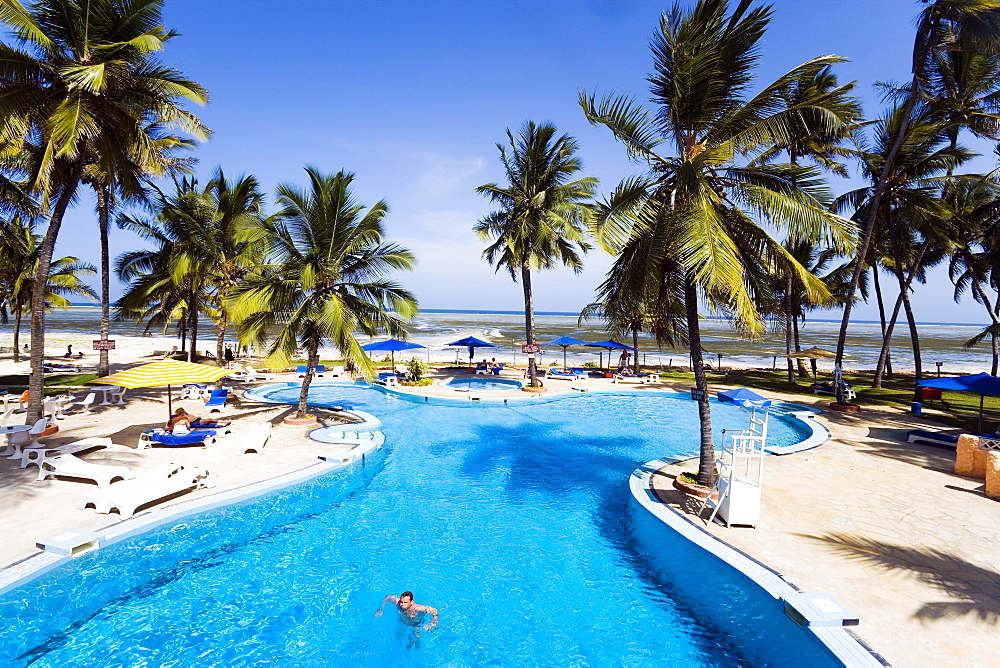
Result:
{"points": [[976, 589], [591, 465]]}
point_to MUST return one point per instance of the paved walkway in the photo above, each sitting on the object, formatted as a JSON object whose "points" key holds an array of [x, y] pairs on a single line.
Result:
{"points": [[889, 530]]}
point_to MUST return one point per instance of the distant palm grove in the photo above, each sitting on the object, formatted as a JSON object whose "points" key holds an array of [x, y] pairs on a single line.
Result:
{"points": [[733, 209]]}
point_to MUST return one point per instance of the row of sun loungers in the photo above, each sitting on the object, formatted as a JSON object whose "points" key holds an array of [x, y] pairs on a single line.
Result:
{"points": [[167, 479], [117, 487]]}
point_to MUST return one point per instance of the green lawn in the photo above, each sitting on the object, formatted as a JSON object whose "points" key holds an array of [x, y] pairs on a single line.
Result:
{"points": [[962, 411], [17, 383]]}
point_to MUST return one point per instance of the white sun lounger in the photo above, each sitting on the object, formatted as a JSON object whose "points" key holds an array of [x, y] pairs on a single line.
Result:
{"points": [[164, 480], [39, 455], [256, 438], [72, 466]]}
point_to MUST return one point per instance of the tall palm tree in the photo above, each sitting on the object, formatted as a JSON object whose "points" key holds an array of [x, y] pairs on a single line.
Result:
{"points": [[542, 213], [20, 249], [207, 240], [911, 206], [79, 86], [975, 261], [128, 185], [824, 146], [943, 25], [696, 216], [326, 281]]}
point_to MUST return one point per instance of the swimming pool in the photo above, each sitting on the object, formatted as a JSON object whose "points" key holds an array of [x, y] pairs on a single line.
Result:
{"points": [[483, 384], [515, 521]]}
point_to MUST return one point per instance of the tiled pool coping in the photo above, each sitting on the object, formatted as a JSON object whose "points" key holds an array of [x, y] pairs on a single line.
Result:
{"points": [[841, 643]]}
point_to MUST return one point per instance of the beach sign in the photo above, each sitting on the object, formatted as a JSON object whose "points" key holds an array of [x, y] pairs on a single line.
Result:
{"points": [[529, 348], [104, 345]]}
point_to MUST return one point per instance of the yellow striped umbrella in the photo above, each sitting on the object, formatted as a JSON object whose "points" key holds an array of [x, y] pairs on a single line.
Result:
{"points": [[165, 372]]}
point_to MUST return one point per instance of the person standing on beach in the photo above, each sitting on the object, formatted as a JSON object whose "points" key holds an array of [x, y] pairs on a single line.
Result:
{"points": [[228, 355], [410, 615]]}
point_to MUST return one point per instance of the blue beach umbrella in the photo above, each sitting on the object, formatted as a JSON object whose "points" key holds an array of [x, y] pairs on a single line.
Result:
{"points": [[566, 341], [982, 384], [391, 346], [472, 343], [608, 345]]}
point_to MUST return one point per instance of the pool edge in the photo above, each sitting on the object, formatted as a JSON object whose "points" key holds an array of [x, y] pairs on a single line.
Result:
{"points": [[841, 643], [24, 571]]}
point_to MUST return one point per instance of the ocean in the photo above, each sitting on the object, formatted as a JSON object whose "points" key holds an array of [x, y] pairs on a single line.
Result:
{"points": [[940, 342]]}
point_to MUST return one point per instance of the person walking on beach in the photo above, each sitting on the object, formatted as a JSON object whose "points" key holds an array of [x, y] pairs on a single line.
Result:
{"points": [[228, 355], [411, 615]]}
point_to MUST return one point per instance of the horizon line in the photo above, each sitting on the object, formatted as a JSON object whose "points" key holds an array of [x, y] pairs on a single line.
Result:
{"points": [[576, 315]]}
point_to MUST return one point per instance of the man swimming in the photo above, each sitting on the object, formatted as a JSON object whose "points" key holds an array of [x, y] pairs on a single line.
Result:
{"points": [[411, 614]]}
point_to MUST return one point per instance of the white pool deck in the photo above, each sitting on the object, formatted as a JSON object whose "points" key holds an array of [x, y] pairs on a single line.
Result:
{"points": [[882, 525]]}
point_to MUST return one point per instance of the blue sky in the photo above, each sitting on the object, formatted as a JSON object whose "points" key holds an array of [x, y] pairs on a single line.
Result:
{"points": [[412, 97]]}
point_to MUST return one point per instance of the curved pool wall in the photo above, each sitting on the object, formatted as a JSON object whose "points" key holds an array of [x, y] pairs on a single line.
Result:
{"points": [[758, 587], [32, 568], [817, 433]]}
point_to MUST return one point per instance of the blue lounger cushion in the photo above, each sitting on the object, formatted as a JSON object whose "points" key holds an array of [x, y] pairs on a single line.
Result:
{"points": [[182, 439], [218, 398], [931, 436]]}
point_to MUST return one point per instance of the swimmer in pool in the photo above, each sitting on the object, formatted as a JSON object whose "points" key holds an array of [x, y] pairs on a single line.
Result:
{"points": [[410, 614]]}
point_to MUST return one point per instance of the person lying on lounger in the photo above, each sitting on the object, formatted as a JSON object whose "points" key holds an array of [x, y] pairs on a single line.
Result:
{"points": [[625, 371], [181, 416]]}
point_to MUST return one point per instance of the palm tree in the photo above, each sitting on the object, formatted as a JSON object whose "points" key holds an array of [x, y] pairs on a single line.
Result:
{"points": [[20, 249], [207, 240], [128, 185], [327, 279], [975, 260], [911, 205], [819, 145], [944, 25], [695, 218], [80, 86], [542, 213]]}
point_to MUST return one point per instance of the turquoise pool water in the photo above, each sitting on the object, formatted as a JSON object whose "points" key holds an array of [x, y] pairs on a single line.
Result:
{"points": [[515, 522], [484, 384]]}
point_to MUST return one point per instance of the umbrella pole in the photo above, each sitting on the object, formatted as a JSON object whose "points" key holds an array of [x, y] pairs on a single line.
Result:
{"points": [[564, 360], [170, 403], [812, 363]]}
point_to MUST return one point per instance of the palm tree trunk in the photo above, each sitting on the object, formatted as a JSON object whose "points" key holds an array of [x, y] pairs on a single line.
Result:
{"points": [[635, 344], [881, 315], [871, 214], [312, 360], [220, 339], [914, 337], [788, 329], [193, 308], [904, 287], [803, 369], [18, 314], [182, 330], [36, 385], [103, 216], [706, 458], [994, 312], [529, 322]]}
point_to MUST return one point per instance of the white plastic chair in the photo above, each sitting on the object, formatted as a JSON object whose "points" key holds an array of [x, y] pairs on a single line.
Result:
{"points": [[87, 402], [118, 395], [35, 431], [6, 414]]}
